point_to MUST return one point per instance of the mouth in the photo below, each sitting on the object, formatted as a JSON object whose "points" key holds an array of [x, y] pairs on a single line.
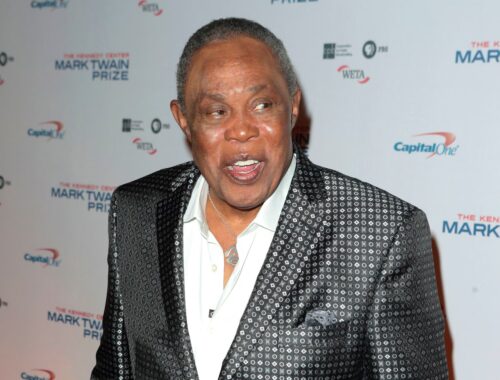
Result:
{"points": [[244, 171]]}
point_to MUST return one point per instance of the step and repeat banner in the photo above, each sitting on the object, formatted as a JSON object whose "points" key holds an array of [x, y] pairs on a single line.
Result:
{"points": [[402, 94]]}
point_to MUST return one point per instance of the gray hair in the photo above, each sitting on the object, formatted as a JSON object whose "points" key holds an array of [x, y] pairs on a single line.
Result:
{"points": [[225, 29]]}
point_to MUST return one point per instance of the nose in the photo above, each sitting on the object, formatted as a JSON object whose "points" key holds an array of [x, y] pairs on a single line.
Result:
{"points": [[241, 129]]}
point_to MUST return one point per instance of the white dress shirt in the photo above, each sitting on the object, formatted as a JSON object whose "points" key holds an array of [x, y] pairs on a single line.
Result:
{"points": [[211, 337]]}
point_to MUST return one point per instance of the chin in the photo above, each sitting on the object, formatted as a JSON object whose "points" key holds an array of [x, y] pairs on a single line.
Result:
{"points": [[245, 203]]}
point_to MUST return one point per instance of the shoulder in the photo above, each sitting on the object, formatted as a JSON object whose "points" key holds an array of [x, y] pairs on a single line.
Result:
{"points": [[352, 196], [159, 184], [362, 191], [361, 212]]}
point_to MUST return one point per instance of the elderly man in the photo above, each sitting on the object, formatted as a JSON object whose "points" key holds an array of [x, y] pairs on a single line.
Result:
{"points": [[253, 263]]}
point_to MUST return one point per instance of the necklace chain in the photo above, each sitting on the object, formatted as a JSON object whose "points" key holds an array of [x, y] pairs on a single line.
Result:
{"points": [[231, 254]]}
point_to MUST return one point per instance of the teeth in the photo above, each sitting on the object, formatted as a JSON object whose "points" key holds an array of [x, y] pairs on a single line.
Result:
{"points": [[245, 163]]}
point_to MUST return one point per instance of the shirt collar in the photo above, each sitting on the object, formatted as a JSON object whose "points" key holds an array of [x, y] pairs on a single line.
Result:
{"points": [[270, 211], [196, 206], [268, 215]]}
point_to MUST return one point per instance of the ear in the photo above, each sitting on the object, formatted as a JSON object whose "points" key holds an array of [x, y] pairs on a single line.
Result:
{"points": [[180, 118], [296, 106]]}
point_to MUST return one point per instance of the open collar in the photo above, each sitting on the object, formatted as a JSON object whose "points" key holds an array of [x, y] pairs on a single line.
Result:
{"points": [[289, 250]]}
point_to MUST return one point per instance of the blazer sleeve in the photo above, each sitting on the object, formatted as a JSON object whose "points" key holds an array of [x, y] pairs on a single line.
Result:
{"points": [[113, 357], [405, 329]]}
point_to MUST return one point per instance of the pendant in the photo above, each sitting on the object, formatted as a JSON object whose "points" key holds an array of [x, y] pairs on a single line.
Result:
{"points": [[231, 255]]}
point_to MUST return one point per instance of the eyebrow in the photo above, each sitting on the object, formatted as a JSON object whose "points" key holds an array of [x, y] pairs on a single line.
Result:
{"points": [[220, 97], [257, 88]]}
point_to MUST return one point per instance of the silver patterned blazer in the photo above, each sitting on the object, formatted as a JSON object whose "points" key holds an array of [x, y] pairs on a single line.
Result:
{"points": [[347, 290]]}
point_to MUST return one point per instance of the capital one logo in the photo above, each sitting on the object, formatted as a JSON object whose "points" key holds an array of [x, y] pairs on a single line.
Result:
{"points": [[432, 145], [38, 374], [45, 256], [53, 130], [51, 4]]}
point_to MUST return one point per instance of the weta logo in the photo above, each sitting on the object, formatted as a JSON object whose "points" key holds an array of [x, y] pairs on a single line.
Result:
{"points": [[292, 1], [145, 146], [353, 74], [153, 8]]}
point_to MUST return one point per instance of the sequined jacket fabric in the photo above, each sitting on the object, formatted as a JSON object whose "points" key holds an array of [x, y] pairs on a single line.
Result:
{"points": [[347, 290]]}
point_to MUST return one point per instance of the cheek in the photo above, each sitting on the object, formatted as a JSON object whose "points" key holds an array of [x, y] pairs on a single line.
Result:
{"points": [[279, 141], [278, 136], [206, 141], [206, 150], [278, 125]]}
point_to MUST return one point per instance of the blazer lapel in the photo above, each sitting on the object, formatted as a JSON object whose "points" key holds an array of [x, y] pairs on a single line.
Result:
{"points": [[170, 211], [293, 244]]}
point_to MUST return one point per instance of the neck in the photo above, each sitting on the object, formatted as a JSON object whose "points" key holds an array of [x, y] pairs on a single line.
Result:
{"points": [[236, 218]]}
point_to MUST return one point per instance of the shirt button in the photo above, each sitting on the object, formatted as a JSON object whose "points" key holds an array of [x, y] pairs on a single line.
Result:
{"points": [[214, 268]]}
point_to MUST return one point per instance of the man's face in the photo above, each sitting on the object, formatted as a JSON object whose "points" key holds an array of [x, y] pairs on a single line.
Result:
{"points": [[238, 118]]}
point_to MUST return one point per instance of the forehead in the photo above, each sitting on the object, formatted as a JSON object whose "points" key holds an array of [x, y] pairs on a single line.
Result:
{"points": [[233, 47], [236, 60]]}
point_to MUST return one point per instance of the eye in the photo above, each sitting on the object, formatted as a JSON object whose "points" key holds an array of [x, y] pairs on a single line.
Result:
{"points": [[216, 113], [262, 105]]}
